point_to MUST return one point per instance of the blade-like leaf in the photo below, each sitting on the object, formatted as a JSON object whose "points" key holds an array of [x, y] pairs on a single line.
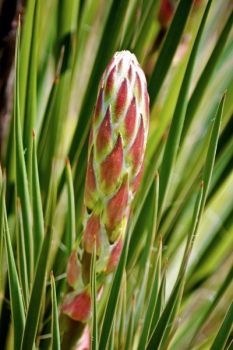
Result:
{"points": [[173, 140], [224, 331], [169, 313], [212, 149], [159, 306], [16, 298], [206, 75], [152, 301], [165, 322], [113, 298], [21, 178], [55, 317], [129, 337], [38, 220], [168, 49], [35, 303], [25, 54], [71, 234], [107, 47], [22, 263], [211, 307], [31, 91], [94, 345]]}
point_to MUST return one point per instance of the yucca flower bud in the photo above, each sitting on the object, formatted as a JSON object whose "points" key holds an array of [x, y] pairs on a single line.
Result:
{"points": [[116, 150]]}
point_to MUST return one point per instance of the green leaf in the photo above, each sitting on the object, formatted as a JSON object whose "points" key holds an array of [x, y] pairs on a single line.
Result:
{"points": [[94, 345], [106, 49], [55, 317], [16, 298], [159, 305], [38, 220], [122, 312], [152, 301], [21, 178], [150, 225], [22, 263], [168, 49], [173, 140], [35, 303], [71, 230], [58, 107], [113, 298], [31, 91], [165, 322], [25, 54], [206, 75], [130, 329], [67, 17], [224, 331], [212, 305], [162, 330], [146, 20], [148, 199], [212, 150]]}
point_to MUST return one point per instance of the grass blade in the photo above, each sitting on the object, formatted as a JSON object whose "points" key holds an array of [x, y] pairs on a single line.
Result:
{"points": [[94, 345], [225, 284], [152, 302], [113, 298], [31, 90], [25, 55], [16, 298], [171, 307], [107, 47], [55, 317], [71, 234], [38, 220], [33, 312], [21, 178], [168, 49], [224, 331], [165, 322], [159, 305], [130, 333], [173, 140], [212, 149], [22, 264], [206, 75]]}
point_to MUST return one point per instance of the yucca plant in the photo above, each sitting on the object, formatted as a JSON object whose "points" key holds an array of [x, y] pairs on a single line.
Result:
{"points": [[116, 203]]}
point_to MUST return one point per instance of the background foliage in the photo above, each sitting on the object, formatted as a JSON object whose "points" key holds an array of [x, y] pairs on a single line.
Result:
{"points": [[173, 286]]}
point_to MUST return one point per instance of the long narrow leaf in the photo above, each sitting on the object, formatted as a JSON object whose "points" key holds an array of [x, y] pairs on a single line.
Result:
{"points": [[93, 298], [35, 303], [224, 331], [22, 263], [16, 298], [55, 317], [168, 49], [113, 298], [21, 178], [173, 140], [38, 221], [206, 75]]}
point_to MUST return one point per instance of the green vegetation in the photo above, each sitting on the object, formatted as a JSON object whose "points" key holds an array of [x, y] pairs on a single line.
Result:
{"points": [[172, 288]]}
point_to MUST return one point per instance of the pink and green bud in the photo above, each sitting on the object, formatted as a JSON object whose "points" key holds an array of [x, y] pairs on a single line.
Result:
{"points": [[116, 150], [77, 306], [73, 270]]}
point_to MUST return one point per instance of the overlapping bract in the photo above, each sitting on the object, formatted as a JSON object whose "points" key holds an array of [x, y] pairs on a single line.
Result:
{"points": [[115, 163]]}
